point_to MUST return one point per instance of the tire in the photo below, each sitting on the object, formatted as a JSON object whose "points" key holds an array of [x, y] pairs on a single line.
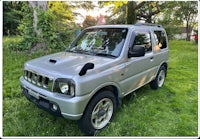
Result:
{"points": [[160, 78], [98, 113]]}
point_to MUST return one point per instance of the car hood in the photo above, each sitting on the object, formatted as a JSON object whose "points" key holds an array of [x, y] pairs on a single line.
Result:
{"points": [[65, 64]]}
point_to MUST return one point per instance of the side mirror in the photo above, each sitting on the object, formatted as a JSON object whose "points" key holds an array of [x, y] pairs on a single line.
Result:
{"points": [[137, 51]]}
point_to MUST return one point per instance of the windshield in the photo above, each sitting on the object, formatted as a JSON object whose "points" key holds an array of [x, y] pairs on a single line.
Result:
{"points": [[100, 41]]}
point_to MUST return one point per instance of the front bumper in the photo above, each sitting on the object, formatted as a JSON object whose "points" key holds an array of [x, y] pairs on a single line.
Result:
{"points": [[42, 103], [54, 103]]}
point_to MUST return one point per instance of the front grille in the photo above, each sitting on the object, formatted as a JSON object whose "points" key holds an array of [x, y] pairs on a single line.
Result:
{"points": [[39, 80]]}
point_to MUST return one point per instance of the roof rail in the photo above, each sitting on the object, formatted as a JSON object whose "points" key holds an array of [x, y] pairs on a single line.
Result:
{"points": [[147, 24]]}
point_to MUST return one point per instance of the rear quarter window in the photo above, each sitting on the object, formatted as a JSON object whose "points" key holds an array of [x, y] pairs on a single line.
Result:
{"points": [[161, 40]]}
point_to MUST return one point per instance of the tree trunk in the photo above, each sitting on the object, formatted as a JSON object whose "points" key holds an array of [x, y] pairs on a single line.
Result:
{"points": [[148, 20], [35, 5], [187, 32], [131, 12]]}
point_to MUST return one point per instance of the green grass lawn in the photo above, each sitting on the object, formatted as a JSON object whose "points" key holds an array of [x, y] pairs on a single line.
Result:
{"points": [[169, 111]]}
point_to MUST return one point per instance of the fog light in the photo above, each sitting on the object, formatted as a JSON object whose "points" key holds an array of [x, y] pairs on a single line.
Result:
{"points": [[55, 107]]}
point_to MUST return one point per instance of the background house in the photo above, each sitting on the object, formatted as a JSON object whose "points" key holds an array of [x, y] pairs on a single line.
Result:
{"points": [[183, 34]]}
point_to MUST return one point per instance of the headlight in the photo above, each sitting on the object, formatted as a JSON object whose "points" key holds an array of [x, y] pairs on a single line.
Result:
{"points": [[64, 86]]}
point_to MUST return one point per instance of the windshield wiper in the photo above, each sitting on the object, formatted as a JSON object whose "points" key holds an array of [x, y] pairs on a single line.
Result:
{"points": [[80, 51], [107, 55]]}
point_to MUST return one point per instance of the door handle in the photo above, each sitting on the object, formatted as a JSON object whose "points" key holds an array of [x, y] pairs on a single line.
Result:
{"points": [[151, 59]]}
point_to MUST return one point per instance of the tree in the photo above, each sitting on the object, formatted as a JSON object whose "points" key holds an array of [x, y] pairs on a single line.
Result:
{"points": [[63, 14], [11, 17], [187, 12], [171, 14], [42, 21], [148, 10], [120, 13], [63, 20], [37, 5], [118, 10], [184, 13], [167, 19], [131, 11]]}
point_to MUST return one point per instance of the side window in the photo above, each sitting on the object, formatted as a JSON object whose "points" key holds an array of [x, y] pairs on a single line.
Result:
{"points": [[143, 39], [161, 42]]}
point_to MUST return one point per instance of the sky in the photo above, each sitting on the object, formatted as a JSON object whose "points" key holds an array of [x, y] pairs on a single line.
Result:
{"points": [[95, 12]]}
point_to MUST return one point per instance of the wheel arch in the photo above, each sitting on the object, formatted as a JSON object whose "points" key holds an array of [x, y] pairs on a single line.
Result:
{"points": [[109, 87], [165, 64], [112, 89]]}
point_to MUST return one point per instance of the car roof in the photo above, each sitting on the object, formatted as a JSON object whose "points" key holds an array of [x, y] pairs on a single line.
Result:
{"points": [[135, 26]]}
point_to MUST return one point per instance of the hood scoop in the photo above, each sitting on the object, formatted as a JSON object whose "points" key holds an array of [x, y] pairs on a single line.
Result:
{"points": [[52, 61], [86, 67]]}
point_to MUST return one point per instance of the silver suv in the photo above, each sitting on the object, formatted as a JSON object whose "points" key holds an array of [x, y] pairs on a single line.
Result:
{"points": [[103, 64]]}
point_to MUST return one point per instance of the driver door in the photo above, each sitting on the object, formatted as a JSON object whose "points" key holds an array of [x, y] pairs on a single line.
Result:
{"points": [[139, 70]]}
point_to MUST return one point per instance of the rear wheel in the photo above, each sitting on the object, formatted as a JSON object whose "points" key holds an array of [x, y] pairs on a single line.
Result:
{"points": [[98, 113], [160, 78]]}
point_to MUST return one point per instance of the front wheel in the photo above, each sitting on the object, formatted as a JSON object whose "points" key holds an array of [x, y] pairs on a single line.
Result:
{"points": [[98, 113], [160, 78]]}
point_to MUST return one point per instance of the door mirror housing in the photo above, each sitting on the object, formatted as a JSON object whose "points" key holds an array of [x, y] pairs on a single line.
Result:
{"points": [[137, 51]]}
